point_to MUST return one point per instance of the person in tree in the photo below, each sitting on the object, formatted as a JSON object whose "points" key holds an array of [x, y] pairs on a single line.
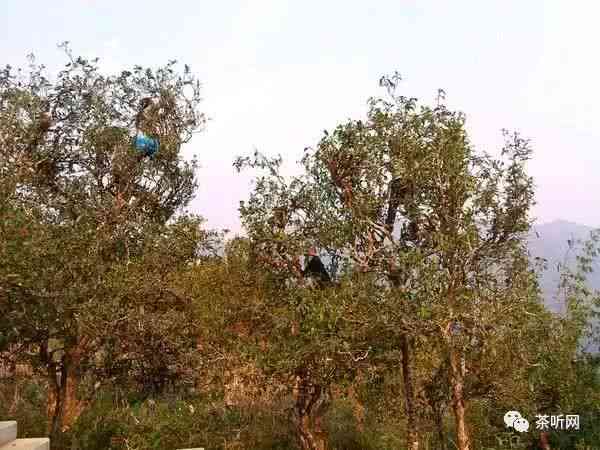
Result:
{"points": [[402, 192], [145, 140], [146, 116], [315, 268], [38, 130], [399, 186]]}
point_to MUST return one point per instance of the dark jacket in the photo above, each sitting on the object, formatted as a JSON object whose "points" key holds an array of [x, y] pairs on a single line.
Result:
{"points": [[316, 268]]}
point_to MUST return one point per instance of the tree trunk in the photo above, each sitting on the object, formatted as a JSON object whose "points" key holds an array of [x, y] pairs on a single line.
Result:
{"points": [[73, 406], [412, 435], [311, 402], [64, 407], [544, 444], [458, 401], [358, 410], [55, 399]]}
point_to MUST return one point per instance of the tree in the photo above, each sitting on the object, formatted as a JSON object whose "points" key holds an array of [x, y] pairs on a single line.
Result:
{"points": [[340, 203], [458, 262], [82, 213], [305, 347]]}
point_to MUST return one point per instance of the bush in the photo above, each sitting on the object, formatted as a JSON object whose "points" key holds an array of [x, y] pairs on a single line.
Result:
{"points": [[24, 401], [171, 422]]}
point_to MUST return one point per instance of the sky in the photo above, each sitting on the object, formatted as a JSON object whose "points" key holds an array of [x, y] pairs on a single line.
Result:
{"points": [[276, 73]]}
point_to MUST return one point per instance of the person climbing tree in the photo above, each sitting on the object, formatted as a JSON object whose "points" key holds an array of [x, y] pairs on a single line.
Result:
{"points": [[38, 130], [145, 119], [145, 140], [316, 269], [399, 186], [403, 193]]}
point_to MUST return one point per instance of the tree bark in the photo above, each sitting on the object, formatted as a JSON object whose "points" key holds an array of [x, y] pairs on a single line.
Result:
{"points": [[63, 405], [412, 435], [412, 432], [310, 404], [54, 401], [544, 444], [73, 406], [458, 401]]}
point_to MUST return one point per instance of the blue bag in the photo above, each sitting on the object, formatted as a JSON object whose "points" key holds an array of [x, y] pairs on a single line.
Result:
{"points": [[145, 144]]}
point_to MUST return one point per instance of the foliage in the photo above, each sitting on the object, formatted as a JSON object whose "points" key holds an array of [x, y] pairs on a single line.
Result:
{"points": [[85, 224], [141, 329]]}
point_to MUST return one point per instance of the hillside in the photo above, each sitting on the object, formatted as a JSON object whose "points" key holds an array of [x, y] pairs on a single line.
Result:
{"points": [[550, 241]]}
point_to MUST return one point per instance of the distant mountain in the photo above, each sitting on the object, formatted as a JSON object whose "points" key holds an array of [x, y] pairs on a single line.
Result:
{"points": [[551, 242]]}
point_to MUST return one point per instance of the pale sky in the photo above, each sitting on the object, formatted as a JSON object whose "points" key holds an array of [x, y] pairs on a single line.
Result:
{"points": [[276, 73]]}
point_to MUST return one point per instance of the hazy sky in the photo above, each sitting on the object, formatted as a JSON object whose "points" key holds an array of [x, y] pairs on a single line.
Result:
{"points": [[276, 73]]}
